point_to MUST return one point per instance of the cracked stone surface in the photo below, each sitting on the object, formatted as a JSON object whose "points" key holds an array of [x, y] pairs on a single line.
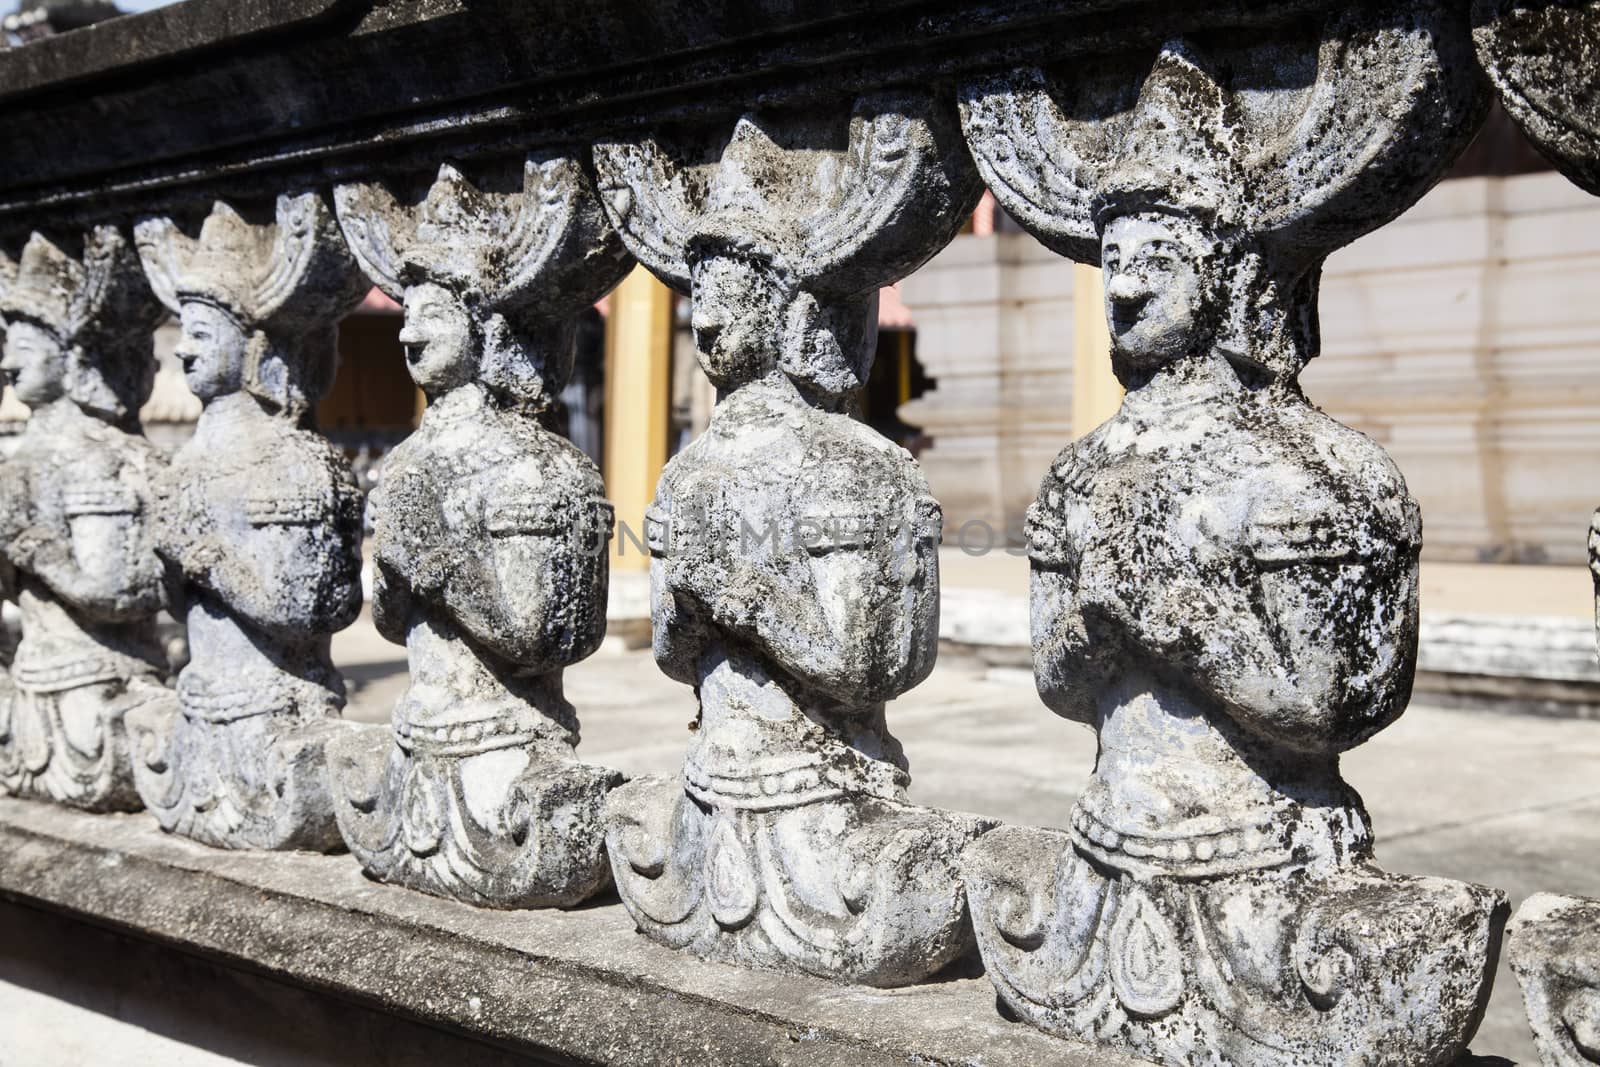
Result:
{"points": [[490, 544], [1225, 579], [1542, 57], [258, 520], [794, 574], [76, 522]]}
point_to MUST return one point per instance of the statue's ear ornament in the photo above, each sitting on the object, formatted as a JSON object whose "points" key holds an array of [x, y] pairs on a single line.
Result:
{"points": [[1065, 158], [100, 309], [522, 261]]}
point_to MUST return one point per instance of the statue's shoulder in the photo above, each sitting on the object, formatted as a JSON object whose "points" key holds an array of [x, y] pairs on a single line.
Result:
{"points": [[131, 449], [570, 466], [1344, 451], [1075, 464], [861, 454], [304, 466], [1343, 488]]}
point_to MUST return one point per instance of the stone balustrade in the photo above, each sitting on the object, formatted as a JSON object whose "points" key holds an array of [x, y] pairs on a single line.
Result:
{"points": [[1224, 578]]}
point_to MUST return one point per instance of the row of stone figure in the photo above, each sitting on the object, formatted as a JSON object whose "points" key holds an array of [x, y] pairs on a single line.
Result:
{"points": [[1224, 578]]}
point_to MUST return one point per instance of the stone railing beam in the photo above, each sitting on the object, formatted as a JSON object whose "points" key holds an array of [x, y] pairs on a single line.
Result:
{"points": [[407, 83]]}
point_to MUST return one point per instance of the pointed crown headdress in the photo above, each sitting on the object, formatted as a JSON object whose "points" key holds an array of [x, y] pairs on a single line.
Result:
{"points": [[844, 218], [286, 282], [523, 262], [98, 306], [1281, 179], [834, 219]]}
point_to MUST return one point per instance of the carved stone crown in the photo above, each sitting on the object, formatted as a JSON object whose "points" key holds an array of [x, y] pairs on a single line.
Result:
{"points": [[842, 218], [523, 262], [1179, 153], [83, 302], [1541, 57], [284, 276], [287, 282], [98, 306], [546, 244]]}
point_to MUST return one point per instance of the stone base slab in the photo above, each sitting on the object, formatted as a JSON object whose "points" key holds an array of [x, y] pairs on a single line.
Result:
{"points": [[576, 986]]}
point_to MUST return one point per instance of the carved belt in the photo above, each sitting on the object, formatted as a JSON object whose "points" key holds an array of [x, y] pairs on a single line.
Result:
{"points": [[54, 662], [513, 728], [207, 703], [101, 498], [60, 674], [1234, 850], [807, 780]]}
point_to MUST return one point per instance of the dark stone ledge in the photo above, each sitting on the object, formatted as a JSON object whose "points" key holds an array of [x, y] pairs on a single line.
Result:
{"points": [[570, 987], [243, 97]]}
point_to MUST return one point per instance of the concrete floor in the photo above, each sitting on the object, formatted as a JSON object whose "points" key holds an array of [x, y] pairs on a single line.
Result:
{"points": [[1509, 801]]}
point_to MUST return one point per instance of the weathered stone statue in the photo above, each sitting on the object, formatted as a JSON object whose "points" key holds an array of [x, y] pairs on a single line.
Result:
{"points": [[75, 522], [794, 578], [1224, 579], [260, 524], [490, 545], [1544, 60]]}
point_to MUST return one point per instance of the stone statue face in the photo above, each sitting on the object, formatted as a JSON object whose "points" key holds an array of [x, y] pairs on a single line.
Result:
{"points": [[438, 339], [738, 320], [35, 363], [212, 350], [1155, 289]]}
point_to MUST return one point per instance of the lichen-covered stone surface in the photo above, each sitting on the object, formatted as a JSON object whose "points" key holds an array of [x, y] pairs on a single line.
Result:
{"points": [[794, 578], [259, 522], [1544, 59], [76, 522], [490, 544], [1556, 960], [1224, 578]]}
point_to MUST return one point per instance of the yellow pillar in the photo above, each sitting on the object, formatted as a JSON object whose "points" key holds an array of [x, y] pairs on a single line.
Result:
{"points": [[638, 398], [904, 366], [1096, 393]]}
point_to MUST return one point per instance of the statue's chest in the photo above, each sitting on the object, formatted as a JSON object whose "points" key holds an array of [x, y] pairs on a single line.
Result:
{"points": [[1130, 520], [500, 487], [728, 486], [789, 495], [262, 489], [82, 476]]}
